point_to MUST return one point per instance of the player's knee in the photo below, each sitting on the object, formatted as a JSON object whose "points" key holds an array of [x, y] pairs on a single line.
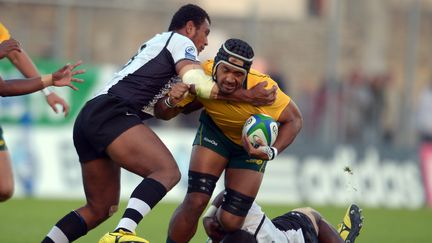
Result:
{"points": [[168, 176], [229, 222], [5, 195], [236, 202], [201, 183], [103, 212], [235, 208], [175, 176], [6, 192], [196, 202]]}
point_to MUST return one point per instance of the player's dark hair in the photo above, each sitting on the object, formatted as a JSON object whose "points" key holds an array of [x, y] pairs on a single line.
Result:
{"points": [[239, 236], [186, 13], [234, 48]]}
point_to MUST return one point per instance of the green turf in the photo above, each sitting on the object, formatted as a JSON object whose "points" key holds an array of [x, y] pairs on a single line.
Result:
{"points": [[28, 220]]}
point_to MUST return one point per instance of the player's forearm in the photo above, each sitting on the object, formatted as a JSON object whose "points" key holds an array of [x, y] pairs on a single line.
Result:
{"points": [[164, 110], [240, 95], [287, 133], [291, 122], [23, 63], [20, 86]]}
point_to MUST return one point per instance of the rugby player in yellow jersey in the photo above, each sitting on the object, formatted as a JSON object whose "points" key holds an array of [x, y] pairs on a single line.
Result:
{"points": [[12, 49], [218, 145]]}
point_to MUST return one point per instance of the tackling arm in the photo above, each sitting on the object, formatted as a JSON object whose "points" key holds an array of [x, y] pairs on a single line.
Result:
{"points": [[167, 107], [201, 84]]}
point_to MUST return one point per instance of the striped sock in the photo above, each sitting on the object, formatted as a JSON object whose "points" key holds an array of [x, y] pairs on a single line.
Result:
{"points": [[69, 228], [145, 196]]}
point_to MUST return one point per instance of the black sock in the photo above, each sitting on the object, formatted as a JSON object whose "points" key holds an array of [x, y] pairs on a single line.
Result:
{"points": [[72, 226], [145, 196]]}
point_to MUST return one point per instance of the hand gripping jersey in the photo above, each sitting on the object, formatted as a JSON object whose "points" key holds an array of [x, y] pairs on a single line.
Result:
{"points": [[230, 116], [149, 74]]}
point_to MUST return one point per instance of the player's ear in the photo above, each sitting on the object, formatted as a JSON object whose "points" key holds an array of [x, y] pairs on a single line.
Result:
{"points": [[190, 27]]}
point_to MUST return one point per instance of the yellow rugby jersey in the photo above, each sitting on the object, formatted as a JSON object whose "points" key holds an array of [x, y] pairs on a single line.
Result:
{"points": [[230, 116], [4, 33]]}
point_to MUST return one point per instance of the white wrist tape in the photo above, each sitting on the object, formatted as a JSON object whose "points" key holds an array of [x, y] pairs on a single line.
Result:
{"points": [[275, 152], [47, 80], [270, 151], [203, 83], [46, 91], [168, 103]]}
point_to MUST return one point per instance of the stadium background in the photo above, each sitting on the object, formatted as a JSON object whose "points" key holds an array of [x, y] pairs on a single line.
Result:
{"points": [[355, 68]]}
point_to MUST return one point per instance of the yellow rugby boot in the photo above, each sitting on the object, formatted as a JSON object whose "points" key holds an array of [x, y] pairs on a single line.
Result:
{"points": [[351, 225], [122, 237]]}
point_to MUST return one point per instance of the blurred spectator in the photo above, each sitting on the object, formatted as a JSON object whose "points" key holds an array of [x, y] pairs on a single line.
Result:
{"points": [[273, 70], [424, 114], [358, 102], [316, 7], [376, 132], [424, 130]]}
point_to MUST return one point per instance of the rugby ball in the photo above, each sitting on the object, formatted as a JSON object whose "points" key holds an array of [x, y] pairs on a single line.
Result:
{"points": [[261, 126]]}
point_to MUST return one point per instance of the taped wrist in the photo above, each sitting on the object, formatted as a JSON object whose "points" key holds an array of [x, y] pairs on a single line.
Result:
{"points": [[271, 152], [275, 153], [46, 91], [47, 80], [168, 103], [203, 83]]}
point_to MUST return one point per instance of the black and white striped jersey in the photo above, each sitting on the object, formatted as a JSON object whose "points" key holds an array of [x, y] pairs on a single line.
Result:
{"points": [[258, 224], [149, 74]]}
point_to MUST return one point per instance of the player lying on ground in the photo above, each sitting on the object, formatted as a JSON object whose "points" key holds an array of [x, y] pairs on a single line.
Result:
{"points": [[299, 225]]}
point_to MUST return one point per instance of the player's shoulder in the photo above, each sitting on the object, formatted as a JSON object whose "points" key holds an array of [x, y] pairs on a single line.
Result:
{"points": [[208, 66], [4, 33], [180, 38], [255, 77]]}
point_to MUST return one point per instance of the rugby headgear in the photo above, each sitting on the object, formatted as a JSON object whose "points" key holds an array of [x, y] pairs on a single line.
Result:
{"points": [[234, 49]]}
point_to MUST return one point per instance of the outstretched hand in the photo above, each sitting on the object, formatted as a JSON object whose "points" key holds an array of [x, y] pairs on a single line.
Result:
{"points": [[65, 75], [53, 100], [8, 46], [261, 96]]}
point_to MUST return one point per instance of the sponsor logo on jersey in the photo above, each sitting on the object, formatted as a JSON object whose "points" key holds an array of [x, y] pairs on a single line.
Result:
{"points": [[255, 161], [190, 53], [208, 140]]}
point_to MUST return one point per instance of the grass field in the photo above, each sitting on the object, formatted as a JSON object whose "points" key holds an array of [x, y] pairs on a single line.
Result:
{"points": [[28, 220]]}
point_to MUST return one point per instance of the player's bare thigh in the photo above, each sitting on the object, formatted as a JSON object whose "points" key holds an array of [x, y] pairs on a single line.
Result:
{"points": [[310, 213], [141, 151], [6, 176], [205, 160], [244, 181]]}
